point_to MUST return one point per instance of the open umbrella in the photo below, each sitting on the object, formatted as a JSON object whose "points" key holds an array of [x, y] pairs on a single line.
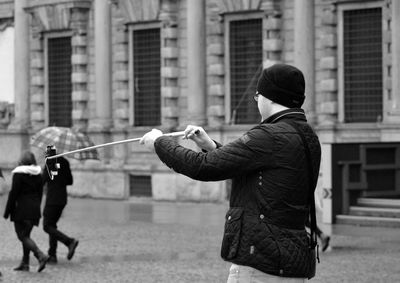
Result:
{"points": [[64, 139]]}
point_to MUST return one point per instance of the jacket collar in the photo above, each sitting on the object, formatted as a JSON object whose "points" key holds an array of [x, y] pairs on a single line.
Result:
{"points": [[28, 169], [292, 112]]}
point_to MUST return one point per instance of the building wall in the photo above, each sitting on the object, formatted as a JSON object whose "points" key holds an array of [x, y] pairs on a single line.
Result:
{"points": [[109, 177]]}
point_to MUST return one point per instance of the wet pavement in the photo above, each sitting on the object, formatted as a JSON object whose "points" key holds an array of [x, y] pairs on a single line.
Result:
{"points": [[146, 241]]}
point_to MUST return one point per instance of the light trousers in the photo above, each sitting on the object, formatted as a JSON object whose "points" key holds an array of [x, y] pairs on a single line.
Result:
{"points": [[246, 274]]}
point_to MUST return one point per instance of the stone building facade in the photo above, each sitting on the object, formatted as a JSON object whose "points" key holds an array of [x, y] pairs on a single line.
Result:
{"points": [[192, 44]]}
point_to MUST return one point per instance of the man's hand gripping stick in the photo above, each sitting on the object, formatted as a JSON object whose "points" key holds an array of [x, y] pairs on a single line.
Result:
{"points": [[52, 165]]}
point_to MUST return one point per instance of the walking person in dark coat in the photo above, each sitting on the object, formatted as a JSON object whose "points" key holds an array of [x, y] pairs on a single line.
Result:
{"points": [[56, 200], [23, 207], [265, 237]]}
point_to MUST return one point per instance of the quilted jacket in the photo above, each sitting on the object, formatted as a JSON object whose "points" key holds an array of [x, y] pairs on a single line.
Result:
{"points": [[264, 226]]}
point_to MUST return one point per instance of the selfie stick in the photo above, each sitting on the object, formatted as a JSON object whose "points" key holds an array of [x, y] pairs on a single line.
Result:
{"points": [[173, 134]]}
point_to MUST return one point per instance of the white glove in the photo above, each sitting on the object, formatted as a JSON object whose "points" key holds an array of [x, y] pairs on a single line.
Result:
{"points": [[200, 137], [149, 138]]}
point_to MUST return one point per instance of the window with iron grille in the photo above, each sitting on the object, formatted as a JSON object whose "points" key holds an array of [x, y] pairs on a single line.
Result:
{"points": [[147, 77], [362, 54], [245, 60], [140, 186], [59, 53]]}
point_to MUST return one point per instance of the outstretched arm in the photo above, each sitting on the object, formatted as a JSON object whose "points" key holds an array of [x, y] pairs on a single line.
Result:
{"points": [[200, 137]]}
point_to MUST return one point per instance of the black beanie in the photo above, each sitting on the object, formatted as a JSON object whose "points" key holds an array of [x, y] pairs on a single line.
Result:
{"points": [[283, 84]]}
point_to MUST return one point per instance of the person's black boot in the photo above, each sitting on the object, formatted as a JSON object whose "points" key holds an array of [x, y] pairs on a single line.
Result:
{"points": [[52, 259], [23, 266], [42, 262], [325, 242], [42, 259], [71, 248]]}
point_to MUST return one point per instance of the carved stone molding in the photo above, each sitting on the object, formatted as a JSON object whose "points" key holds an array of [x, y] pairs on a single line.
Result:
{"points": [[5, 23], [231, 6], [138, 10], [59, 16]]}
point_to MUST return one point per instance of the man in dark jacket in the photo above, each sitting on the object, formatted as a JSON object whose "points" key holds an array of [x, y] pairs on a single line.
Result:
{"points": [[265, 235], [56, 200]]}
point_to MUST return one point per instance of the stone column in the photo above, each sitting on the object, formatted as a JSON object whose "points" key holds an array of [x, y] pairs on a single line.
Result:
{"points": [[304, 54], [396, 55], [21, 61], [102, 36], [196, 55]]}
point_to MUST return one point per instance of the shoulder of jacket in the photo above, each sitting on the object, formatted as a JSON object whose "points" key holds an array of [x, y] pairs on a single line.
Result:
{"points": [[276, 127], [257, 134], [19, 175]]}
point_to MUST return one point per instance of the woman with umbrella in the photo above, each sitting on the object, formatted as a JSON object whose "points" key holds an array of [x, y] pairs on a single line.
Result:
{"points": [[65, 140], [23, 207], [56, 200]]}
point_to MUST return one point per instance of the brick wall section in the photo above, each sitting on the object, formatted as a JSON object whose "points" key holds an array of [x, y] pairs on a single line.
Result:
{"points": [[182, 63], [37, 77], [79, 61], [215, 66], [91, 103], [286, 10], [120, 62], [79, 81], [169, 65], [327, 88], [272, 36], [387, 51]]}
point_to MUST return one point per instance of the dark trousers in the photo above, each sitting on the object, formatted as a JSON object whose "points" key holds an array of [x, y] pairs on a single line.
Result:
{"points": [[51, 215], [23, 230]]}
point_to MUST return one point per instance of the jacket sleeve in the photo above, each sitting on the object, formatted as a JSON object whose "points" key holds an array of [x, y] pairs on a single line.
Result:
{"points": [[250, 152], [69, 180], [45, 175], [12, 196]]}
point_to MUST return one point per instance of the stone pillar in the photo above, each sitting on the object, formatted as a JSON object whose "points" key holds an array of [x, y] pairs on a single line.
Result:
{"points": [[326, 181], [196, 56], [170, 89], [304, 55], [396, 55], [21, 60], [102, 36], [327, 99]]}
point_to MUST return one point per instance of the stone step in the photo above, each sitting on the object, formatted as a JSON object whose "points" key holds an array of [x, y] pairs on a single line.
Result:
{"points": [[379, 202], [368, 221], [375, 211]]}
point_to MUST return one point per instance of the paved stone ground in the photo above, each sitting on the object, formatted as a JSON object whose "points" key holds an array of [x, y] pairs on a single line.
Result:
{"points": [[144, 241]]}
